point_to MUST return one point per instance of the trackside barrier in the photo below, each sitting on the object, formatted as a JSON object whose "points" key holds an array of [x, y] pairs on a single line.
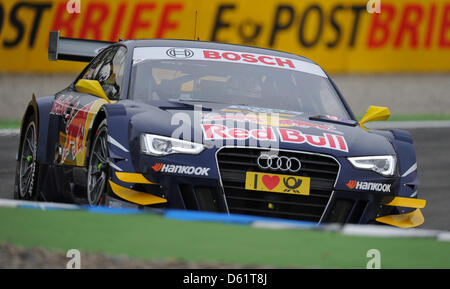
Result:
{"points": [[254, 221]]}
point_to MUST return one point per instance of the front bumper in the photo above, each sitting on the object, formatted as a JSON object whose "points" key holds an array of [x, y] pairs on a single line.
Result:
{"points": [[343, 207]]}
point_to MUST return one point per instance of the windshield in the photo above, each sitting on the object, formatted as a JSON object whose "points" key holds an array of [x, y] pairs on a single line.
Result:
{"points": [[236, 83]]}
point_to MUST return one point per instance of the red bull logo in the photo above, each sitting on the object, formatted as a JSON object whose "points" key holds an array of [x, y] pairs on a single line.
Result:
{"points": [[75, 130], [288, 135]]}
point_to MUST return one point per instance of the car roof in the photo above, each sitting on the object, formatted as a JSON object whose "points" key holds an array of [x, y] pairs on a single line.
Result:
{"points": [[209, 45]]}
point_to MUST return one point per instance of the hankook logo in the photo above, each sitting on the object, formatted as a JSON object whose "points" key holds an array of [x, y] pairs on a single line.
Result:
{"points": [[179, 169], [179, 53], [368, 186], [282, 163]]}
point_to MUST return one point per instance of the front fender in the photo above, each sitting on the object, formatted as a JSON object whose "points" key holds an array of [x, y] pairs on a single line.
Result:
{"points": [[118, 137], [407, 164], [41, 108]]}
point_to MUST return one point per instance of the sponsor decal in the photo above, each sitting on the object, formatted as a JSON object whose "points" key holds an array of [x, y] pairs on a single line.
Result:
{"points": [[179, 53], [277, 183], [340, 31], [248, 58], [265, 133], [330, 141], [77, 119], [368, 186], [180, 169], [166, 53], [157, 167], [266, 120], [61, 104], [282, 163], [218, 131], [75, 116], [282, 112], [75, 130], [351, 184], [305, 124]]}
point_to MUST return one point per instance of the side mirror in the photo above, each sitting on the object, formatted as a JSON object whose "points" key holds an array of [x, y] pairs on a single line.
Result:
{"points": [[374, 113], [92, 87]]}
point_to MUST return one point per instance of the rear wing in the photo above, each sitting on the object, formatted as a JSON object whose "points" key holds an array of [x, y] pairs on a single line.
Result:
{"points": [[73, 49]]}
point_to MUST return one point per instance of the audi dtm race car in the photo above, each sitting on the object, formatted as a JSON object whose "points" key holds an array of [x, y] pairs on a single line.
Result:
{"points": [[212, 127]]}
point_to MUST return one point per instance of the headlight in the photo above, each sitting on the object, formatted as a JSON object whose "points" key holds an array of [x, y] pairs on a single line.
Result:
{"points": [[384, 165], [160, 145]]}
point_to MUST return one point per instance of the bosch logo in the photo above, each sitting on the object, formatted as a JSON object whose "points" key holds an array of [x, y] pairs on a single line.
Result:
{"points": [[282, 163], [179, 53]]}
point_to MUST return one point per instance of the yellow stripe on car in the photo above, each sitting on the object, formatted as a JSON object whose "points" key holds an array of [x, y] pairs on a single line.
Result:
{"points": [[133, 178], [137, 197], [407, 202], [409, 220]]}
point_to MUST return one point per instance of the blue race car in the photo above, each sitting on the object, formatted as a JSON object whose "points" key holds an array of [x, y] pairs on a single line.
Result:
{"points": [[212, 127]]}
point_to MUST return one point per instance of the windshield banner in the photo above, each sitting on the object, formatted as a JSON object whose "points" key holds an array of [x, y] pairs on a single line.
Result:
{"points": [[179, 53]]}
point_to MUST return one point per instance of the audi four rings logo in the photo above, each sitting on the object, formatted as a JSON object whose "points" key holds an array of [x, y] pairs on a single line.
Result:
{"points": [[279, 163], [179, 53]]}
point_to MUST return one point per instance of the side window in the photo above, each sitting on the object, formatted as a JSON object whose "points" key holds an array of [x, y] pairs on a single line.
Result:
{"points": [[94, 66], [108, 70]]}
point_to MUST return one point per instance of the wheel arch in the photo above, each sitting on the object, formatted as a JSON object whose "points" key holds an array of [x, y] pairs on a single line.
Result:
{"points": [[118, 121], [41, 108], [407, 163], [99, 117], [30, 110]]}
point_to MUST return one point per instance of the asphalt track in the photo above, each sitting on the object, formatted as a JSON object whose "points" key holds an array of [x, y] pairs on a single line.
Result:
{"points": [[433, 157]]}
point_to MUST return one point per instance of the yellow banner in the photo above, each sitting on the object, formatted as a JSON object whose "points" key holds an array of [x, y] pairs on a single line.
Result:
{"points": [[340, 35], [276, 183]]}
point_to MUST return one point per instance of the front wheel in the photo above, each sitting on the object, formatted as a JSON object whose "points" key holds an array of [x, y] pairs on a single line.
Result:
{"points": [[98, 168], [28, 168]]}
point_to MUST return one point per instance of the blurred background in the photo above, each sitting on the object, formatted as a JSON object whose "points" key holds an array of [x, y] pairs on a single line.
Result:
{"points": [[393, 53]]}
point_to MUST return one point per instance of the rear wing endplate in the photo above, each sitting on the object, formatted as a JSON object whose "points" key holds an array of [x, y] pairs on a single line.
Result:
{"points": [[73, 49]]}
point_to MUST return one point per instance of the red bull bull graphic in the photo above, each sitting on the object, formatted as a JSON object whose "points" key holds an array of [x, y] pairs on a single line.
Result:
{"points": [[75, 131], [76, 121]]}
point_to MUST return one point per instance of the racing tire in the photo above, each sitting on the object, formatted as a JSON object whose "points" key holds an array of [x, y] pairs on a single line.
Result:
{"points": [[98, 170], [27, 167]]}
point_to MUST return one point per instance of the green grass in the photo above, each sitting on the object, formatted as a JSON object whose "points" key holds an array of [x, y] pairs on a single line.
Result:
{"points": [[9, 124], [156, 238]]}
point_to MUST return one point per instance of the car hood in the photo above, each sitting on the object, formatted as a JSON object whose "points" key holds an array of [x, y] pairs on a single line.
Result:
{"points": [[217, 125]]}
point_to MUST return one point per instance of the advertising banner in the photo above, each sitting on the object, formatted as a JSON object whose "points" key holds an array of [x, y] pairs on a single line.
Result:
{"points": [[343, 36]]}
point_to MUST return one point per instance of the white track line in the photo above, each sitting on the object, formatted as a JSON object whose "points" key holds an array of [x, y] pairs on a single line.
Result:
{"points": [[387, 232]]}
